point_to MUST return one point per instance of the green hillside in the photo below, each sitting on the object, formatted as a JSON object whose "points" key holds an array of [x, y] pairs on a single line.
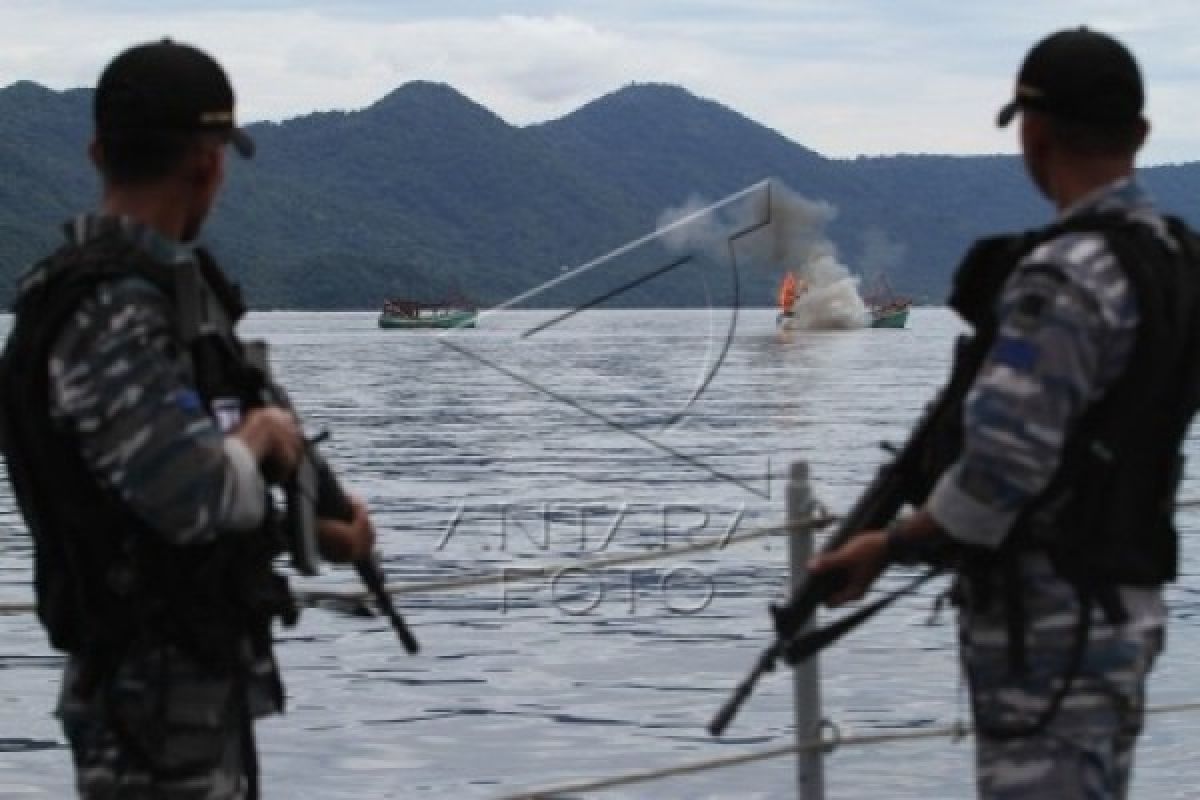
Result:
{"points": [[426, 192]]}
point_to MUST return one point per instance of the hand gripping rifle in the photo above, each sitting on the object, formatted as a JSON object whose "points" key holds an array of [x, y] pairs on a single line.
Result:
{"points": [[892, 488], [313, 492], [206, 304], [907, 478]]}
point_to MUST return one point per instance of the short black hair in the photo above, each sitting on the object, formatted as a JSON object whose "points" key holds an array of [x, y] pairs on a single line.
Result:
{"points": [[131, 158], [1118, 139]]}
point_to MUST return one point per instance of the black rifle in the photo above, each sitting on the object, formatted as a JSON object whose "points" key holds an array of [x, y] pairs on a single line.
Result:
{"points": [[907, 478], [313, 492], [332, 503], [897, 483], [207, 304]]}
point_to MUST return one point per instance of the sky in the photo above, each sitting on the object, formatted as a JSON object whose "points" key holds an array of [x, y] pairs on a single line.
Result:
{"points": [[842, 77]]}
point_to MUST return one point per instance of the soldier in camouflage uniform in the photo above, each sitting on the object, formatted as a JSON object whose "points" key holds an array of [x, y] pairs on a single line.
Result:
{"points": [[158, 696], [1056, 664]]}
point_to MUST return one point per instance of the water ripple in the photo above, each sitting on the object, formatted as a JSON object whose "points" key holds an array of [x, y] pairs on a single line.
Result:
{"points": [[598, 671]]}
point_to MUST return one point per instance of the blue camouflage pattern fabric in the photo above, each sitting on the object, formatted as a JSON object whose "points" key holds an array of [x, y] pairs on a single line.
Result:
{"points": [[1068, 320], [1086, 750], [160, 728], [161, 725], [119, 380]]}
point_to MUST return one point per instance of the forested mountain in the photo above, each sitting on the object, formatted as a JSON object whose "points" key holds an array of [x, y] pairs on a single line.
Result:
{"points": [[425, 193]]}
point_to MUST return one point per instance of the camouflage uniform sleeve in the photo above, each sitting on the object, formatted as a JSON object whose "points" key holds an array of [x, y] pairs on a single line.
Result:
{"points": [[1067, 324], [119, 381]]}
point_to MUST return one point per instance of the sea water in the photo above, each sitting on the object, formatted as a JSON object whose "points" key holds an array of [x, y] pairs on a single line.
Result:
{"points": [[494, 452]]}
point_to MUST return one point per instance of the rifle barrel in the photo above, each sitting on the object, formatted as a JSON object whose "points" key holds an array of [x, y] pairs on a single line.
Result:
{"points": [[333, 503], [725, 715], [371, 573]]}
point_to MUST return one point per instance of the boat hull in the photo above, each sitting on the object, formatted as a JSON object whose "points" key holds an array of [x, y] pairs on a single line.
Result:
{"points": [[453, 319], [889, 318]]}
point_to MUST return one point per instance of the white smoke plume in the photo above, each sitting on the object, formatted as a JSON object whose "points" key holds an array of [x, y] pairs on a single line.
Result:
{"points": [[880, 254], [793, 238], [700, 226]]}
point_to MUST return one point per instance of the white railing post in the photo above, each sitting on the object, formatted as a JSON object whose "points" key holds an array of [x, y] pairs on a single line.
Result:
{"points": [[806, 686]]}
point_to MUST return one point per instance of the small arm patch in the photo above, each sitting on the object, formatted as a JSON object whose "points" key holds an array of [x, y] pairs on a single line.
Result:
{"points": [[1017, 354], [188, 400]]}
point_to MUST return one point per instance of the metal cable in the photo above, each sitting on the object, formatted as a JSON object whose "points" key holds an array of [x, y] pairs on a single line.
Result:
{"points": [[823, 744], [535, 572], [314, 596]]}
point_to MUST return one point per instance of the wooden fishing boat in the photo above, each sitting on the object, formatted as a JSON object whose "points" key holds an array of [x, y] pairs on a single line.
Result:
{"points": [[891, 315], [400, 313], [885, 308]]}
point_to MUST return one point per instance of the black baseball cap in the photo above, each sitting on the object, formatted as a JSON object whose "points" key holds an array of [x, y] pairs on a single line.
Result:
{"points": [[1078, 74], [167, 87]]}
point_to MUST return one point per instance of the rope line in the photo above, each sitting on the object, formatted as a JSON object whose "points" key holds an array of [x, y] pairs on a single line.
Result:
{"points": [[526, 574], [313, 596], [825, 744], [821, 744]]}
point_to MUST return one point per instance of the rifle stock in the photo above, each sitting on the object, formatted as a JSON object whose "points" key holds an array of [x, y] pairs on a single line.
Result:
{"points": [[300, 518]]}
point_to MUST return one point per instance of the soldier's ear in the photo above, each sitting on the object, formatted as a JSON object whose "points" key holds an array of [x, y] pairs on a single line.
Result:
{"points": [[96, 154], [1144, 133], [1037, 137], [205, 166]]}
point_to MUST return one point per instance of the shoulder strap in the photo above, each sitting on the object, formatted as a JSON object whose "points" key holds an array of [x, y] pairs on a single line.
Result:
{"points": [[75, 269], [990, 261]]}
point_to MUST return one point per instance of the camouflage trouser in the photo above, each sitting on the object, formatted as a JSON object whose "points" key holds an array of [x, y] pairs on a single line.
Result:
{"points": [[160, 729], [1086, 750]]}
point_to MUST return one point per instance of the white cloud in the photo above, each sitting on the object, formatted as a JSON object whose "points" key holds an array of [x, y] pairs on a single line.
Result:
{"points": [[861, 76]]}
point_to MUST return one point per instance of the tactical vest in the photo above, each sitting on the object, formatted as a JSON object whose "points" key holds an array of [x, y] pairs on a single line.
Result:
{"points": [[1107, 516], [103, 578]]}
